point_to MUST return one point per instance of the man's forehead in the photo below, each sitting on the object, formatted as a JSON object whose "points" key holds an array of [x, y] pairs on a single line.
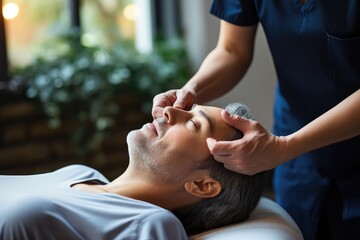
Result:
{"points": [[207, 108]]}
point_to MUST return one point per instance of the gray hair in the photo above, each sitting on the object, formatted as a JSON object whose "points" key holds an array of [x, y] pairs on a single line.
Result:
{"points": [[239, 196]]}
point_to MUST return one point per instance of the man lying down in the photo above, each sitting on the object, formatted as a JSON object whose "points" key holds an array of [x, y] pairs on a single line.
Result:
{"points": [[172, 187]]}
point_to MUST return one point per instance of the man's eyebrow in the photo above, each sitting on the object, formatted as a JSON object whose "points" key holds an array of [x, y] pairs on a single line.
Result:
{"points": [[202, 113]]}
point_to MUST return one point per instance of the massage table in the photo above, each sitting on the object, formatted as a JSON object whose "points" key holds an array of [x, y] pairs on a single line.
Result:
{"points": [[268, 221]]}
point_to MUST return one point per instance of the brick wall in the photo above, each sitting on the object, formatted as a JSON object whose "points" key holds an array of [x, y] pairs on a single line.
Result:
{"points": [[28, 145]]}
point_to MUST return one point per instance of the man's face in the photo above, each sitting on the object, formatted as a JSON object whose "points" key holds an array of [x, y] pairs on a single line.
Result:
{"points": [[174, 146]]}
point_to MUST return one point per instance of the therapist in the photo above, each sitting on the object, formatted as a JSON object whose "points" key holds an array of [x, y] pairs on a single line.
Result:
{"points": [[315, 45]]}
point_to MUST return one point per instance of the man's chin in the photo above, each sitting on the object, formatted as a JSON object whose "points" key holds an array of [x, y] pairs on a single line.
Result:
{"points": [[131, 136]]}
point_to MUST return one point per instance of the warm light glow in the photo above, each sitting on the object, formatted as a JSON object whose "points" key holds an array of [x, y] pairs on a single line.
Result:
{"points": [[131, 12], [10, 11]]}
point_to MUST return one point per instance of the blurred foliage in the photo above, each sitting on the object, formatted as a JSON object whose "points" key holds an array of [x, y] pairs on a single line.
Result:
{"points": [[80, 83]]}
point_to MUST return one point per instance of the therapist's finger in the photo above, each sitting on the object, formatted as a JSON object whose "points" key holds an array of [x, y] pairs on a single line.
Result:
{"points": [[162, 100], [184, 99], [219, 148], [241, 169], [236, 121]]}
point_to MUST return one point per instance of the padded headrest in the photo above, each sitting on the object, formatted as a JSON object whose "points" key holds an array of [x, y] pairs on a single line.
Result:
{"points": [[268, 221]]}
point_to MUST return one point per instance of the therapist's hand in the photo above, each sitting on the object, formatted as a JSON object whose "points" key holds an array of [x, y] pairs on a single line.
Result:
{"points": [[257, 151], [178, 98]]}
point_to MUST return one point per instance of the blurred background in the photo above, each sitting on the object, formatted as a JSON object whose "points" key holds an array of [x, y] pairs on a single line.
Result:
{"points": [[77, 75]]}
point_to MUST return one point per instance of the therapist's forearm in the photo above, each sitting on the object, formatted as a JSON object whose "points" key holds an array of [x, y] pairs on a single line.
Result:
{"points": [[224, 67], [339, 123], [218, 74]]}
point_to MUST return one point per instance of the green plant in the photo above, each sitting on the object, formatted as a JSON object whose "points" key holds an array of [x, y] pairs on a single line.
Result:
{"points": [[79, 83]]}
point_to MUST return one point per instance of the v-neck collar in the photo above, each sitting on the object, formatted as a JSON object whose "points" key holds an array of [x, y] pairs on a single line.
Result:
{"points": [[305, 7]]}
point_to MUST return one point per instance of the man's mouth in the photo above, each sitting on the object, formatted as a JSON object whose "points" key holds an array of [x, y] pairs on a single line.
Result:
{"points": [[154, 127]]}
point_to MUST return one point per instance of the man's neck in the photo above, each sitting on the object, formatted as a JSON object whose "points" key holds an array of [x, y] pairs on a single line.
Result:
{"points": [[168, 196]]}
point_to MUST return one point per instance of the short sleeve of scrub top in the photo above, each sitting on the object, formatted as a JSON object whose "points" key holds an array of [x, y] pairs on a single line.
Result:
{"points": [[241, 12]]}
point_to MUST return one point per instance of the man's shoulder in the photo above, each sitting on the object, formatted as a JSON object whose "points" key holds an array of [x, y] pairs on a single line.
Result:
{"points": [[75, 168], [161, 224], [160, 214], [79, 172]]}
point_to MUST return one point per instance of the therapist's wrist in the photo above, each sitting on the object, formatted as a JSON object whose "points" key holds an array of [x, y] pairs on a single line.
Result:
{"points": [[294, 147]]}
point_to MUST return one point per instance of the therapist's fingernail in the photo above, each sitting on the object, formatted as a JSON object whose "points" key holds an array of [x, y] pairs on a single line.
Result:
{"points": [[210, 142], [226, 113]]}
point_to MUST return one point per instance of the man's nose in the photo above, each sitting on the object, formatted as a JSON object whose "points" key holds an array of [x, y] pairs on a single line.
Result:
{"points": [[173, 115]]}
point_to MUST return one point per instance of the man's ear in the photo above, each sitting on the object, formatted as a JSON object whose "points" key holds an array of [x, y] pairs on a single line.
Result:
{"points": [[205, 187]]}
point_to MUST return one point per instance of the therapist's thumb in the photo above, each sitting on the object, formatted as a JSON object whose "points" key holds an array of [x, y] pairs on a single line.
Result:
{"points": [[236, 121], [211, 143]]}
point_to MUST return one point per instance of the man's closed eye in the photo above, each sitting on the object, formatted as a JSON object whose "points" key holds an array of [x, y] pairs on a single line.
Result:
{"points": [[196, 124]]}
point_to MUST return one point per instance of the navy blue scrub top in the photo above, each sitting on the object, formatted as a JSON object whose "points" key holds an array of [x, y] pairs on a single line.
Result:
{"points": [[316, 51]]}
